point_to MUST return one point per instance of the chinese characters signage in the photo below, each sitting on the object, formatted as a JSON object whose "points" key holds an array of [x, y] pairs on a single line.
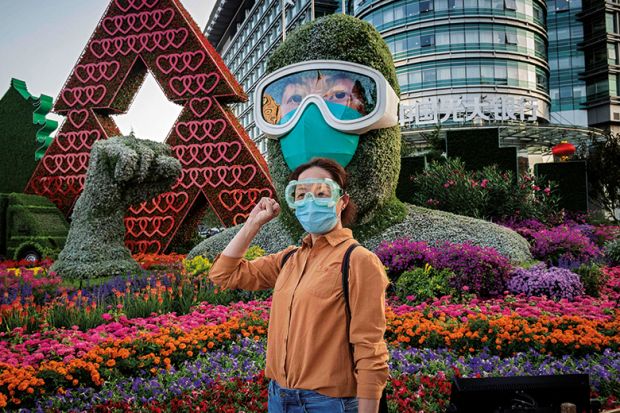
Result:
{"points": [[466, 108]]}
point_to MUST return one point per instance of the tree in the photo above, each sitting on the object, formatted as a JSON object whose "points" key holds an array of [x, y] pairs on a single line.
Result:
{"points": [[604, 173]]}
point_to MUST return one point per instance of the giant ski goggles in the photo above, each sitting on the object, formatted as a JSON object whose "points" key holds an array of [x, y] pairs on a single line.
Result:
{"points": [[351, 97], [323, 191]]}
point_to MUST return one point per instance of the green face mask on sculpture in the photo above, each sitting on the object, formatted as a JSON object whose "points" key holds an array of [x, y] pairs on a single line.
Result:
{"points": [[313, 137]]}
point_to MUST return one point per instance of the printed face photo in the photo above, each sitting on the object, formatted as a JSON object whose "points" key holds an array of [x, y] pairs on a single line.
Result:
{"points": [[334, 86]]}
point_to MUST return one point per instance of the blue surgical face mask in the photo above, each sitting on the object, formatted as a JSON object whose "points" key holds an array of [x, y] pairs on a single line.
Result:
{"points": [[313, 137], [315, 218]]}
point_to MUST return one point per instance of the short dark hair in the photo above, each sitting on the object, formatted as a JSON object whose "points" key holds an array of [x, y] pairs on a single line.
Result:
{"points": [[338, 174]]}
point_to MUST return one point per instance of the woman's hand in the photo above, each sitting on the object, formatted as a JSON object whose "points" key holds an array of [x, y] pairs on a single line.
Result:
{"points": [[266, 210]]}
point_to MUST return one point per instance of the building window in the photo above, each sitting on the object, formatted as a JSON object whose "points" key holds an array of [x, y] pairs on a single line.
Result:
{"points": [[610, 23], [499, 37], [486, 37], [487, 74], [501, 75], [473, 71], [511, 38], [566, 92], [541, 81], [415, 77], [510, 4], [429, 75], [440, 5], [443, 74], [442, 38], [388, 15], [611, 54], [458, 72], [579, 91], [562, 5], [455, 4], [427, 40], [402, 79], [472, 38], [457, 37], [413, 9], [426, 6]]}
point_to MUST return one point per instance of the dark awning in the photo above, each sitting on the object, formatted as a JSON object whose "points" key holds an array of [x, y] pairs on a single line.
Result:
{"points": [[534, 138]]}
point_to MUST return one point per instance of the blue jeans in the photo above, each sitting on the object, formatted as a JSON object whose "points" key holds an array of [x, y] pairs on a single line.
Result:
{"points": [[282, 400]]}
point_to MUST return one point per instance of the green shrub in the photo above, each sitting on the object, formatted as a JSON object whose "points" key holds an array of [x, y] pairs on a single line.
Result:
{"points": [[22, 123], [612, 251], [489, 193], [528, 264], [424, 283], [254, 252], [197, 266], [592, 278]]}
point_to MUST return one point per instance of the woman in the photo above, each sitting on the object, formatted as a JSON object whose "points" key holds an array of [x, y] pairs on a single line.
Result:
{"points": [[313, 366]]}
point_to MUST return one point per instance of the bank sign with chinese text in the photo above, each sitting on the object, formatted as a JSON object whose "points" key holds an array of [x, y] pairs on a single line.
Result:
{"points": [[467, 108]]}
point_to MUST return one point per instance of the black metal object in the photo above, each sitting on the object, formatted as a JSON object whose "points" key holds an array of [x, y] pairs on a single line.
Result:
{"points": [[520, 394]]}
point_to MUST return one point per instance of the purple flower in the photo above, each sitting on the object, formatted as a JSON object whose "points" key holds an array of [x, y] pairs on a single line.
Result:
{"points": [[403, 254], [553, 282], [563, 244], [484, 270]]}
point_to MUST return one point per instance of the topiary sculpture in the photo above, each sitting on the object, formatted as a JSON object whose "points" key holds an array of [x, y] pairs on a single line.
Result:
{"points": [[375, 166], [123, 171]]}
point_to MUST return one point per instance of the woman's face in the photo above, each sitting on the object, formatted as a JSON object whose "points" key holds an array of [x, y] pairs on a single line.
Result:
{"points": [[320, 173], [333, 89]]}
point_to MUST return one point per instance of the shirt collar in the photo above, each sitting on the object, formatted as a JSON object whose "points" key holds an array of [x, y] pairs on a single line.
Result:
{"points": [[334, 237]]}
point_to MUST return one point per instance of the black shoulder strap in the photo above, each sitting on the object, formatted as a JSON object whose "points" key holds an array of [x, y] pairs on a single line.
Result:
{"points": [[345, 281], [287, 256]]}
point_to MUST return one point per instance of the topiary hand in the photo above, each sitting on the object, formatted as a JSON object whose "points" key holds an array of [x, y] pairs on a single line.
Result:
{"points": [[122, 171]]}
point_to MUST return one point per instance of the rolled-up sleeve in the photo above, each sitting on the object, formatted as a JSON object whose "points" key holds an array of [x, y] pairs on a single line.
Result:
{"points": [[367, 284], [258, 274]]}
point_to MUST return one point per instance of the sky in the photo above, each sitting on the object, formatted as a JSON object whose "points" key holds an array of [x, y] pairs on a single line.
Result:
{"points": [[41, 41]]}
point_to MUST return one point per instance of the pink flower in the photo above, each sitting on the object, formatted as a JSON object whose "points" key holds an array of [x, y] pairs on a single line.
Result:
{"points": [[484, 183], [106, 316]]}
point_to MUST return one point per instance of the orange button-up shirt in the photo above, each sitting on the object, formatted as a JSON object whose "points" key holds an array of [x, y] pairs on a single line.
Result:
{"points": [[307, 343]]}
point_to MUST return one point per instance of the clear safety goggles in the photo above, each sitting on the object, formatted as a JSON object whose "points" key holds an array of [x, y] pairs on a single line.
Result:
{"points": [[323, 191], [352, 98]]}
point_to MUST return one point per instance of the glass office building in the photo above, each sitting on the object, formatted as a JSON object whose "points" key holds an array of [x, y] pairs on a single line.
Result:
{"points": [[601, 22], [566, 63], [245, 32], [463, 52], [453, 48]]}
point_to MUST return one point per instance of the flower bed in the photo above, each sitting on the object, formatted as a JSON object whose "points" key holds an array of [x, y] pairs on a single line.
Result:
{"points": [[122, 345], [238, 370]]}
